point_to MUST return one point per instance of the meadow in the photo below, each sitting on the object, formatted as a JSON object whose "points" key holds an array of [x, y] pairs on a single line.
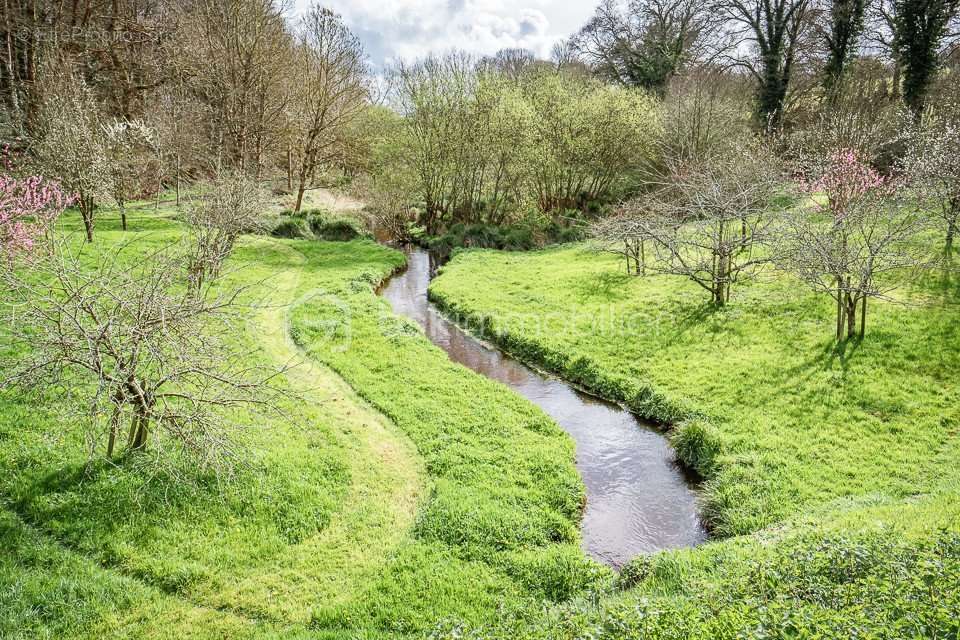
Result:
{"points": [[402, 495], [358, 512], [830, 471]]}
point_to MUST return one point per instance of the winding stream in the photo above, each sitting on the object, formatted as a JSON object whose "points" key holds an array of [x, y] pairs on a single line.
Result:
{"points": [[638, 499]]}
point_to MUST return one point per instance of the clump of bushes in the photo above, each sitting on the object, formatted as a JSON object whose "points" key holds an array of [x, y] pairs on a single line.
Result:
{"points": [[340, 229], [517, 237], [289, 228], [318, 224]]}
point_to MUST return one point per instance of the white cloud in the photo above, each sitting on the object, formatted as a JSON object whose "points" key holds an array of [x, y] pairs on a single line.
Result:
{"points": [[409, 29]]}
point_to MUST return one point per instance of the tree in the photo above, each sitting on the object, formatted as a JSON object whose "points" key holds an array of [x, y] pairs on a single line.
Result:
{"points": [[648, 43], [332, 92], [127, 337], [235, 56], [71, 143], [232, 205], [126, 142], [776, 29], [711, 222], [702, 112], [932, 164], [841, 35], [865, 236], [27, 208], [584, 135], [625, 234], [919, 29]]}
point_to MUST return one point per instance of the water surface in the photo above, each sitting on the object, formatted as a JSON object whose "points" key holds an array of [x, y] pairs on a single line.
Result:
{"points": [[638, 499]]}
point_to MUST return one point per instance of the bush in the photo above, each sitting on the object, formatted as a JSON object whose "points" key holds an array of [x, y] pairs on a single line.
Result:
{"points": [[336, 229], [289, 228]]}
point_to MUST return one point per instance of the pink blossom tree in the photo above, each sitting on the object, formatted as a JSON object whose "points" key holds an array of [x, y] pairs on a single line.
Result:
{"points": [[27, 208], [866, 233]]}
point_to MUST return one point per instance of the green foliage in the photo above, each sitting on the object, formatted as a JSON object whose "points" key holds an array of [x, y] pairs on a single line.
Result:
{"points": [[339, 229], [289, 228], [698, 444]]}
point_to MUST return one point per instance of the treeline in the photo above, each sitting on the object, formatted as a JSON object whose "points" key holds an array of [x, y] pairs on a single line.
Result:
{"points": [[492, 141], [218, 85]]}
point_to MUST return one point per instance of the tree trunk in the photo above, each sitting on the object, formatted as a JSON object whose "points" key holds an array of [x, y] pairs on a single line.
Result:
{"points": [[289, 169], [139, 442], [123, 216], [951, 233], [839, 311], [863, 316], [177, 180], [851, 316], [86, 212]]}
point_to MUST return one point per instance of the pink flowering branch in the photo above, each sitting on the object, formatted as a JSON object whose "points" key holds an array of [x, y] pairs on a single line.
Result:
{"points": [[845, 180], [27, 208]]}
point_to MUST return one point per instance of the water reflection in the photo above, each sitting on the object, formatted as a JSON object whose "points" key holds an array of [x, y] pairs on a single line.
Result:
{"points": [[638, 499]]}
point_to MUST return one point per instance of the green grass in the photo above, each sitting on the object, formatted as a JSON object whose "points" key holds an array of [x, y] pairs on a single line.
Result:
{"points": [[420, 493], [793, 421], [810, 451], [405, 496]]}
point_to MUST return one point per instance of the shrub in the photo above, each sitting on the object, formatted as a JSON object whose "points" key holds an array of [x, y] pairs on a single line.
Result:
{"points": [[289, 228], [335, 229]]}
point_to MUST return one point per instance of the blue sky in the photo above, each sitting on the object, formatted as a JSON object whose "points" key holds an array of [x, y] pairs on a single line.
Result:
{"points": [[408, 29]]}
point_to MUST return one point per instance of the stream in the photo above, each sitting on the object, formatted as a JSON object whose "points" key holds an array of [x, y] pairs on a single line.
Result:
{"points": [[639, 500]]}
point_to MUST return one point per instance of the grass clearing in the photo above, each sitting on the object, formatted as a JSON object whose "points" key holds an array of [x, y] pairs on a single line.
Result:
{"points": [[418, 492], [795, 422], [831, 472]]}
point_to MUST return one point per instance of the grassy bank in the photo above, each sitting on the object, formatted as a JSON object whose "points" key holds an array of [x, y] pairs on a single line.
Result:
{"points": [[340, 523], [791, 422], [840, 464]]}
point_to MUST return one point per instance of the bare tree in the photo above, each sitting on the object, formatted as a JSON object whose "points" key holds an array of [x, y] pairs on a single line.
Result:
{"points": [[71, 142], [130, 146], [232, 204], [866, 236], [234, 56], [625, 234], [865, 255], [711, 223], [129, 339], [332, 92], [932, 164]]}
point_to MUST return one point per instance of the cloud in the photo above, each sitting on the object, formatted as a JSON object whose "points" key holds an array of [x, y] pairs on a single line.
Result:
{"points": [[410, 29]]}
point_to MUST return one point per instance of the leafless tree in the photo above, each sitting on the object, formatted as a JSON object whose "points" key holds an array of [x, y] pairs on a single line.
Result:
{"points": [[867, 253], [71, 141], [712, 222], [126, 143], [332, 93], [128, 338], [932, 164], [625, 234], [234, 56], [232, 204]]}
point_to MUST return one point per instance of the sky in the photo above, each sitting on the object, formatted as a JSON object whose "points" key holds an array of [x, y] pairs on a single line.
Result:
{"points": [[409, 29]]}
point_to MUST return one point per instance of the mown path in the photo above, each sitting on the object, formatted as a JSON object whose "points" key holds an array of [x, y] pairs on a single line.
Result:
{"points": [[387, 476]]}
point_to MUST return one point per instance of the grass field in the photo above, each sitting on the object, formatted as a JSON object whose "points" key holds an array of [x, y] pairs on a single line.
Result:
{"points": [[405, 496], [829, 456], [341, 523]]}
